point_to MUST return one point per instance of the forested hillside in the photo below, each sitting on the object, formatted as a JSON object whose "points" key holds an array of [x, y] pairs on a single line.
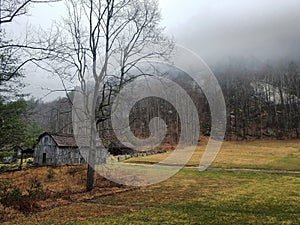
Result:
{"points": [[263, 101]]}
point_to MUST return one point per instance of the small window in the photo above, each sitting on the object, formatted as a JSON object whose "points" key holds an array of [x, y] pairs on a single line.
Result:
{"points": [[46, 139]]}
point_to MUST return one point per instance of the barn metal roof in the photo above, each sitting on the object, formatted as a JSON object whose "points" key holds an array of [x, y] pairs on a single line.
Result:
{"points": [[63, 140]]}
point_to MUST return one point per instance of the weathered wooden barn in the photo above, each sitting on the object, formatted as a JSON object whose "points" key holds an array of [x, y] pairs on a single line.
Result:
{"points": [[56, 149], [62, 149]]}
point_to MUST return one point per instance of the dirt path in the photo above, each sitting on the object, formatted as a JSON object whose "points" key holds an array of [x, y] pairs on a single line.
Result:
{"points": [[254, 170], [220, 169]]}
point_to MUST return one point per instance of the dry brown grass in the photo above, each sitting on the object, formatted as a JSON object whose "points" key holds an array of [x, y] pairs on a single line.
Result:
{"points": [[66, 186], [250, 154], [168, 192], [190, 197]]}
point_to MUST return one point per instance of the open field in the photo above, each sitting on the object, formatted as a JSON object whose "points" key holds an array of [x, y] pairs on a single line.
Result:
{"points": [[189, 197], [267, 154]]}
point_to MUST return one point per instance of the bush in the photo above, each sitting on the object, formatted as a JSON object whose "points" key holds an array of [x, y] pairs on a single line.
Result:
{"points": [[9, 194], [35, 189], [50, 174]]}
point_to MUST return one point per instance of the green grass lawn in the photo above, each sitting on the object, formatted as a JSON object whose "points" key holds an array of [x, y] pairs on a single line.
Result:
{"points": [[190, 197]]}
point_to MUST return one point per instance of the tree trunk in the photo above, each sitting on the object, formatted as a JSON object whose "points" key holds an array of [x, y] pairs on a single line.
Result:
{"points": [[90, 178], [91, 158], [21, 162]]}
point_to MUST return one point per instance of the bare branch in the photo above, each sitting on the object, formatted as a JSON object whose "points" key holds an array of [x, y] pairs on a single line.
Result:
{"points": [[16, 8]]}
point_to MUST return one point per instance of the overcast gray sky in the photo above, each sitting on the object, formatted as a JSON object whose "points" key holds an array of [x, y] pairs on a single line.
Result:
{"points": [[214, 29], [264, 29]]}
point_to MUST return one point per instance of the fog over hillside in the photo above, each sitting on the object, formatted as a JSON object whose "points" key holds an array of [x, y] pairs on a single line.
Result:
{"points": [[217, 30], [257, 32]]}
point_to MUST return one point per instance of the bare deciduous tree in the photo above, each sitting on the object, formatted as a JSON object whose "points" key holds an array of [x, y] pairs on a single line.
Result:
{"points": [[103, 41]]}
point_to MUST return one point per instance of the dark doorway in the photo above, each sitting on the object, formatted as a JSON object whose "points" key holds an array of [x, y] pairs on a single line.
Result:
{"points": [[44, 157]]}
